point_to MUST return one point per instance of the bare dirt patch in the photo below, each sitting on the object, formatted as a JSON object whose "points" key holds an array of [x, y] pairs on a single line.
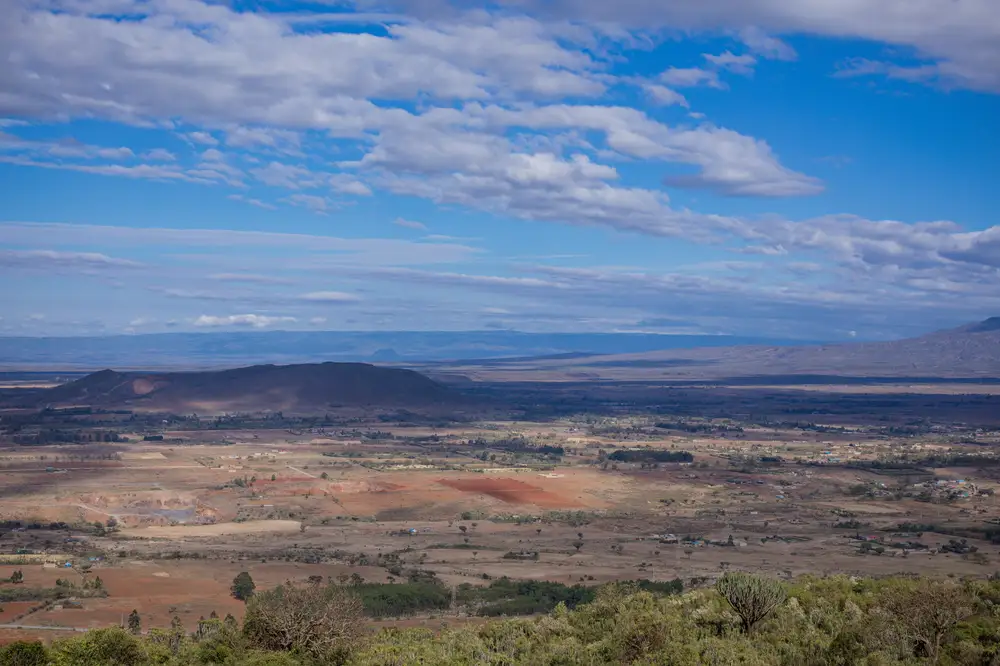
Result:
{"points": [[510, 491], [13, 609], [221, 529]]}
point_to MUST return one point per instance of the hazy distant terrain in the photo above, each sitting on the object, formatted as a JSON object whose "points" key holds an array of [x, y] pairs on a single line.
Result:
{"points": [[971, 352], [219, 350]]}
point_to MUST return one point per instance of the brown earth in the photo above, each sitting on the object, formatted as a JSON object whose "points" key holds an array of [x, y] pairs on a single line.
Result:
{"points": [[511, 491]]}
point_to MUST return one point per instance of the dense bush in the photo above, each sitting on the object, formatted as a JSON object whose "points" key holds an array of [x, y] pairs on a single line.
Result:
{"points": [[650, 455], [527, 597], [395, 600], [836, 621]]}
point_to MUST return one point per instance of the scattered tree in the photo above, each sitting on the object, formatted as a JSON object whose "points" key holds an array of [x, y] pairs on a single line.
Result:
{"points": [[134, 622], [243, 586]]}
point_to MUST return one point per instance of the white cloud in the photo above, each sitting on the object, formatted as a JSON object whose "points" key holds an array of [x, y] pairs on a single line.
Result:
{"points": [[329, 297], [766, 46], [50, 260], [731, 162], [209, 64], [203, 138], [159, 155], [285, 141], [960, 39], [410, 224], [241, 320], [345, 184], [314, 203], [352, 250], [252, 278], [738, 64], [291, 177], [253, 202], [664, 95], [690, 77]]}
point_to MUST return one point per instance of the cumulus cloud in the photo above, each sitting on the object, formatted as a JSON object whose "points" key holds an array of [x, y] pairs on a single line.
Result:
{"points": [[960, 40], [241, 320], [265, 103]]}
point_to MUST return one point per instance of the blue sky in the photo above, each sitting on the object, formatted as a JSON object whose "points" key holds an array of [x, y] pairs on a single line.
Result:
{"points": [[819, 169]]}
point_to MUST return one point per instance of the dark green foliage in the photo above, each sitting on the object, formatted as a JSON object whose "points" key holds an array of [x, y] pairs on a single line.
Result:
{"points": [[650, 455], [134, 622], [23, 653], [243, 586], [837, 621], [675, 586], [530, 597], [510, 597], [398, 599]]}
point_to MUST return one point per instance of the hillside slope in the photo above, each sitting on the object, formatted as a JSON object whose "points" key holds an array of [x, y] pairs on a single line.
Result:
{"points": [[290, 388]]}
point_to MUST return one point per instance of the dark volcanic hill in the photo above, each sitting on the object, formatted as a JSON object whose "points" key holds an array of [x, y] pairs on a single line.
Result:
{"points": [[290, 388], [967, 352]]}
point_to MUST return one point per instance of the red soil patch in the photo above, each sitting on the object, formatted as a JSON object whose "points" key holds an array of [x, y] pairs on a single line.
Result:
{"points": [[510, 491], [11, 609]]}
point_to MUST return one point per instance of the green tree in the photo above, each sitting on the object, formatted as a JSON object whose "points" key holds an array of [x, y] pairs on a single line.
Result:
{"points": [[134, 622], [243, 586], [17, 577], [752, 597]]}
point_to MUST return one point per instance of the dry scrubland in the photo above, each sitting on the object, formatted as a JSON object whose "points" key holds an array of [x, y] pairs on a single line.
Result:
{"points": [[573, 500]]}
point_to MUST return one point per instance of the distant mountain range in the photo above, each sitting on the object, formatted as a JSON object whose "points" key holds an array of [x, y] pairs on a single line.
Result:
{"points": [[310, 388], [221, 350], [968, 352]]}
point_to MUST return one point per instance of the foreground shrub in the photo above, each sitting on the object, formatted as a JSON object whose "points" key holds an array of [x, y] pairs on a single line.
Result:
{"points": [[103, 647], [836, 621], [316, 621], [24, 653]]}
